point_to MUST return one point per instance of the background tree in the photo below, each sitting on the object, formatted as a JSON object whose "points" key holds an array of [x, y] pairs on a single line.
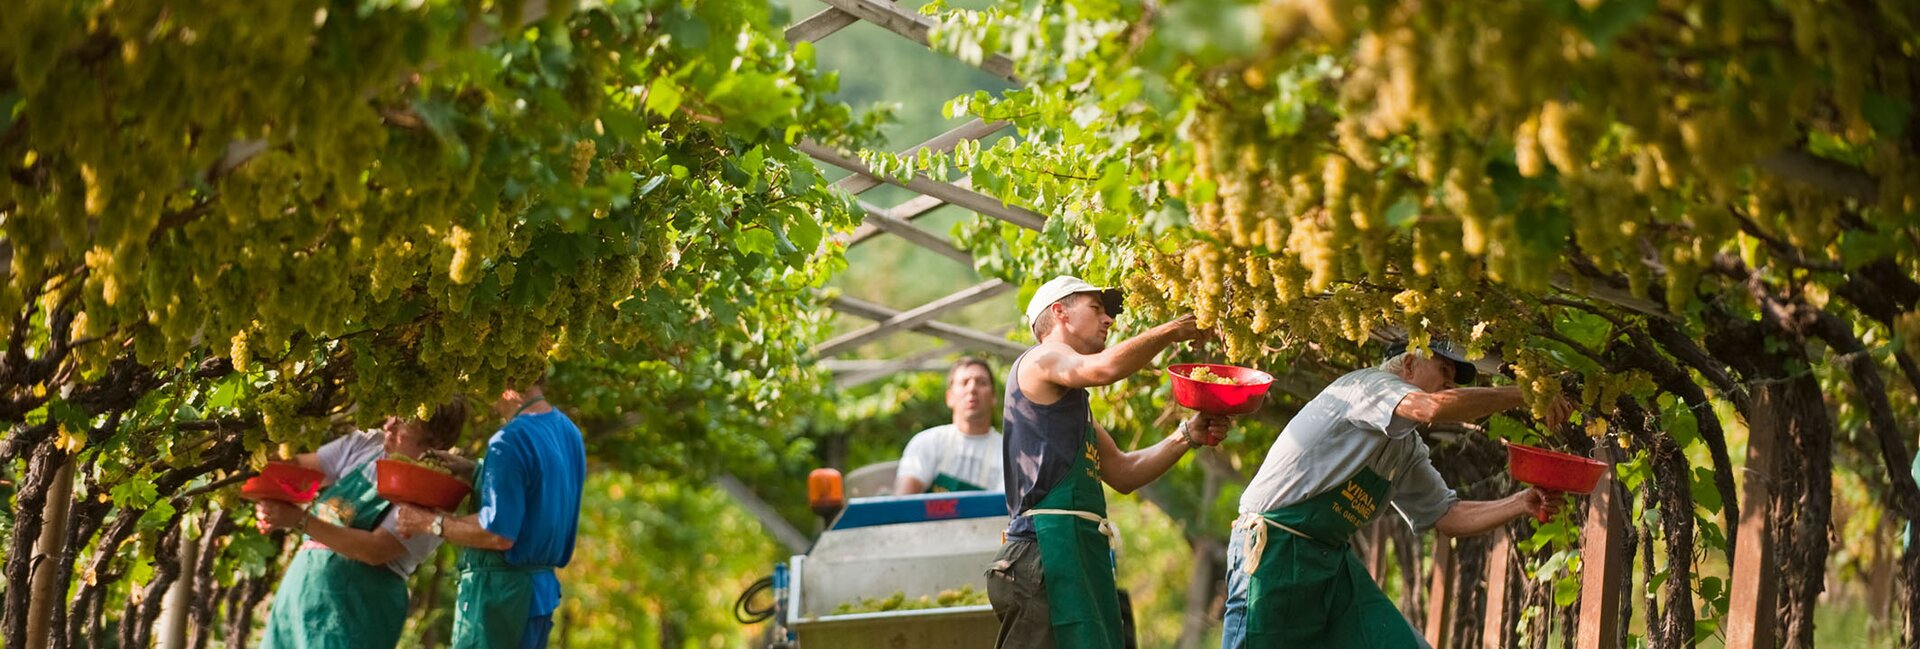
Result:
{"points": [[228, 227]]}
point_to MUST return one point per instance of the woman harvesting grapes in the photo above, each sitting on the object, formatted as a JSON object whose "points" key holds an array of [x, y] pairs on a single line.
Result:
{"points": [[347, 586]]}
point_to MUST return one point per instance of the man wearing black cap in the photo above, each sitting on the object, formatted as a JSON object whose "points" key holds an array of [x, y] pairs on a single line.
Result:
{"points": [[1291, 581]]}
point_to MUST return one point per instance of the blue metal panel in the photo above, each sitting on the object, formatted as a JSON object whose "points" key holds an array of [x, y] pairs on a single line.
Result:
{"points": [[888, 510]]}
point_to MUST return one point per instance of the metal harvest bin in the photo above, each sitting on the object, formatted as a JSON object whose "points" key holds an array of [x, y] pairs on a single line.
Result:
{"points": [[875, 561]]}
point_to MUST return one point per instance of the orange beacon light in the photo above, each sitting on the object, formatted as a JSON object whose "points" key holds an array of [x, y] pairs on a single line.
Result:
{"points": [[824, 492]]}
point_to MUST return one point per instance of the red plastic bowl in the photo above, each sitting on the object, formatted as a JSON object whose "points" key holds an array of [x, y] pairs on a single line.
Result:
{"points": [[284, 481], [1216, 398], [413, 484], [1554, 471]]}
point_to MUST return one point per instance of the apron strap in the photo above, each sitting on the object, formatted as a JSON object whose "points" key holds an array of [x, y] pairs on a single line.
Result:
{"points": [[524, 405], [1256, 526], [1107, 528]]}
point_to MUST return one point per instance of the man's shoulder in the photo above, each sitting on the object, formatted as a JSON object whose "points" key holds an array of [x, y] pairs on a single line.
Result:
{"points": [[356, 442], [505, 441], [1044, 355], [1366, 379], [1365, 374], [532, 423]]}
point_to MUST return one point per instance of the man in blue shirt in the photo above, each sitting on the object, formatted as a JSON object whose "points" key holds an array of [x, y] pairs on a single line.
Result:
{"points": [[1916, 476], [521, 530]]}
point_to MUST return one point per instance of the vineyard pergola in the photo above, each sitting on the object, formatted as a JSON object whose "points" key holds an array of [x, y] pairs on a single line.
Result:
{"points": [[1470, 592]]}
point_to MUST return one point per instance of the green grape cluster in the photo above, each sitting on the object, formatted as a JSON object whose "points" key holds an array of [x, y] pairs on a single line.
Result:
{"points": [[1534, 373], [371, 208]]}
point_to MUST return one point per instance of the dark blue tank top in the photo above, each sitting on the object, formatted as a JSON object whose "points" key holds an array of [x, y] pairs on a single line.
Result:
{"points": [[1041, 442]]}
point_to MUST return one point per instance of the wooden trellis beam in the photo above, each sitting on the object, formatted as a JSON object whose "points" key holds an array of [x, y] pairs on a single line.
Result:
{"points": [[879, 218], [948, 192], [914, 27], [908, 211], [998, 345], [820, 25], [882, 365], [913, 317], [769, 516], [972, 130], [858, 378]]}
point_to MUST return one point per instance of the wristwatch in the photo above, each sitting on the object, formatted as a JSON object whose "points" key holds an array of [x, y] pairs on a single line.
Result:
{"points": [[1186, 436], [435, 528]]}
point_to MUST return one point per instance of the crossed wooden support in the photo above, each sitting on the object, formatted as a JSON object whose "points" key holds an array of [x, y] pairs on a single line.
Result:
{"points": [[898, 219]]}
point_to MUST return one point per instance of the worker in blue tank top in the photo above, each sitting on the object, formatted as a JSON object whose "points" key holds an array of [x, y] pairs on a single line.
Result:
{"points": [[1053, 582]]}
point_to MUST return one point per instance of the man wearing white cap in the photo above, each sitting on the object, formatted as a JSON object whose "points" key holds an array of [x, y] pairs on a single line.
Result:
{"points": [[1291, 581], [1053, 583]]}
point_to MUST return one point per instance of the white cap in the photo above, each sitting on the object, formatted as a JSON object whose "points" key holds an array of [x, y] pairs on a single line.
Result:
{"points": [[1464, 370], [1060, 287]]}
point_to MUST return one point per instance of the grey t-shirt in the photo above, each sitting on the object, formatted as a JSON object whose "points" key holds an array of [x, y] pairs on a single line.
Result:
{"points": [[358, 451], [1348, 427]]}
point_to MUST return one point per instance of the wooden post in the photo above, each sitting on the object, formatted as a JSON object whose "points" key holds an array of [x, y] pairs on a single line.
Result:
{"points": [[1439, 603], [172, 633], [1603, 558], [1406, 557], [1377, 551], [1752, 613], [1880, 580], [1495, 628], [53, 539]]}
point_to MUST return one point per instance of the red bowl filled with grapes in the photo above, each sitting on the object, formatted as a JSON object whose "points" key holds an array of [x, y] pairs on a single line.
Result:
{"points": [[1219, 389]]}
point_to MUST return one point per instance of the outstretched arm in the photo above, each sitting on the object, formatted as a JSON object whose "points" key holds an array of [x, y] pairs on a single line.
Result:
{"points": [[1059, 365], [1472, 517], [1470, 404], [1128, 471], [1458, 404], [372, 547], [308, 461]]}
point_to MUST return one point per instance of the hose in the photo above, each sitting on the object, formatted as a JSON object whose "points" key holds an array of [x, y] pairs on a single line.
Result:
{"points": [[743, 609]]}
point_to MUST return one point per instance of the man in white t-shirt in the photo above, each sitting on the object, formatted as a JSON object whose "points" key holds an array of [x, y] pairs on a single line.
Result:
{"points": [[961, 456]]}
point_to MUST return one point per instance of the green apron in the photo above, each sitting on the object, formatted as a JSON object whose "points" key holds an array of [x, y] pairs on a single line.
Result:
{"points": [[329, 601], [1307, 589], [944, 482], [1076, 556], [495, 597], [494, 603]]}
